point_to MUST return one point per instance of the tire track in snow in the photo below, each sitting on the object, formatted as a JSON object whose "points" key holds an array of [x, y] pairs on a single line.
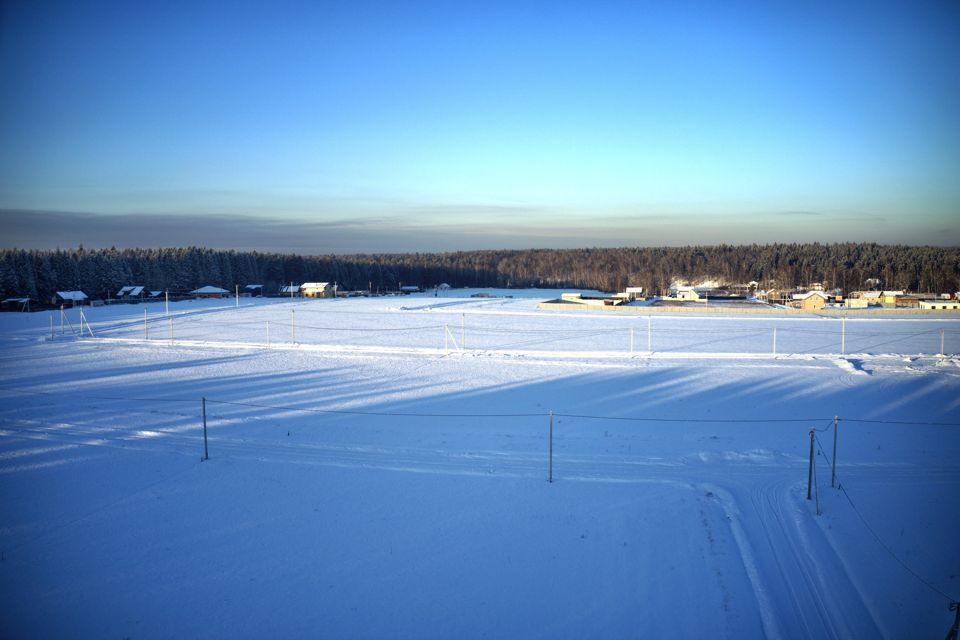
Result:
{"points": [[801, 587]]}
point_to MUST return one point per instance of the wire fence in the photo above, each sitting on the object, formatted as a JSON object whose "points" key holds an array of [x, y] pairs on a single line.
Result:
{"points": [[839, 486], [183, 435], [274, 327]]}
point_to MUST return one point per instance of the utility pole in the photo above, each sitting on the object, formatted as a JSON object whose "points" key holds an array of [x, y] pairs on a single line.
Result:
{"points": [[833, 470], [843, 335], [550, 468], [206, 455], [237, 293], [955, 629]]}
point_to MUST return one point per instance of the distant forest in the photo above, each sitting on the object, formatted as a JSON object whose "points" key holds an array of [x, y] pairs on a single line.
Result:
{"points": [[101, 272]]}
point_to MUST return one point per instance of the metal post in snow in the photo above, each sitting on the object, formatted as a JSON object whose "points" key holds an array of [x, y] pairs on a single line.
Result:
{"points": [[206, 455], [843, 335], [550, 468], [166, 302], [237, 291], [83, 320], [955, 629], [62, 316], [810, 466], [833, 462], [51, 326]]}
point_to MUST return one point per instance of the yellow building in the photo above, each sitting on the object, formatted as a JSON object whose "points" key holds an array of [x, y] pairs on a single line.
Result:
{"points": [[316, 290]]}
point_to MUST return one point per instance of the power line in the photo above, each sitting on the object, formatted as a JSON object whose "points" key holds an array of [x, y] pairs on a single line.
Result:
{"points": [[927, 424], [695, 420], [876, 536], [889, 550]]}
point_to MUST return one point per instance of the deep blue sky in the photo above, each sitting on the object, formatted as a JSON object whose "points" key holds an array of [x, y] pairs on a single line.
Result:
{"points": [[434, 126]]}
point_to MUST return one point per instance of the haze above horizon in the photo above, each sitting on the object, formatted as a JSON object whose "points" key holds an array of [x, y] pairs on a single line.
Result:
{"points": [[359, 127]]}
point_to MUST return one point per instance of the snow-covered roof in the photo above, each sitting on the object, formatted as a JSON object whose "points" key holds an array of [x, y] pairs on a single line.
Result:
{"points": [[18, 300], [633, 290], [72, 295], [209, 289], [290, 288], [254, 286], [315, 285], [154, 294], [804, 296]]}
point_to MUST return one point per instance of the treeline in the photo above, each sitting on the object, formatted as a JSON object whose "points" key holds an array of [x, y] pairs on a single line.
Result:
{"points": [[101, 272]]}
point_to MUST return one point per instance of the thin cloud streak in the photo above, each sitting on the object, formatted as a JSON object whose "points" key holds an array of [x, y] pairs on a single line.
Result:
{"points": [[413, 232]]}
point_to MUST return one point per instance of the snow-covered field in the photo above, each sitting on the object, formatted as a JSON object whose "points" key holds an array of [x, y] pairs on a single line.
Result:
{"points": [[379, 468]]}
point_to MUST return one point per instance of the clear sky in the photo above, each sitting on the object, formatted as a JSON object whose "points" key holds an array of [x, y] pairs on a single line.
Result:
{"points": [[365, 126]]}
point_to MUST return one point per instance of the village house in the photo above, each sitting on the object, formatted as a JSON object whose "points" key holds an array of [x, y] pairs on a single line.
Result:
{"points": [[772, 296], [16, 304], [210, 292], [254, 290], [889, 298], [810, 301], [688, 294], [630, 294], [129, 293], [317, 290], [75, 298], [945, 305], [592, 301]]}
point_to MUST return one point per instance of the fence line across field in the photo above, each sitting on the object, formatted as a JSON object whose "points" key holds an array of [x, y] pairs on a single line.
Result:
{"points": [[816, 447], [668, 337]]}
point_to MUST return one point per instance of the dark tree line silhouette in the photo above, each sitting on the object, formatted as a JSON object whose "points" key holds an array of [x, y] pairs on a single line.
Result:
{"points": [[848, 266]]}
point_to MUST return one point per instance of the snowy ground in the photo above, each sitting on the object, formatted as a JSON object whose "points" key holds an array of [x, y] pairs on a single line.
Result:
{"points": [[383, 472]]}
